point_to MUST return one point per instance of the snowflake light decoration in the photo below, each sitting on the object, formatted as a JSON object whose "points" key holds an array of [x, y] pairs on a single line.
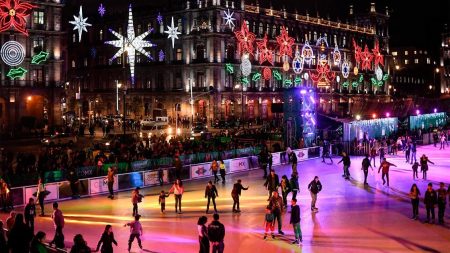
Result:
{"points": [[307, 53], [379, 73], [336, 56], [246, 65], [229, 19], [265, 54], [245, 39], [159, 18], [324, 75], [13, 14], [80, 23], [161, 55], [366, 59], [345, 69], [131, 44], [378, 57], [172, 32], [101, 10], [297, 63], [285, 42]]}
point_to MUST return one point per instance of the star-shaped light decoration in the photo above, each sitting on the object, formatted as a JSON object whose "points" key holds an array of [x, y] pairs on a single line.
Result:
{"points": [[39, 58], [80, 23], [366, 59], [297, 62], [265, 54], [358, 52], [229, 19], [378, 57], [131, 44], [13, 14], [245, 38], [172, 33], [101, 10], [285, 42], [159, 18]]}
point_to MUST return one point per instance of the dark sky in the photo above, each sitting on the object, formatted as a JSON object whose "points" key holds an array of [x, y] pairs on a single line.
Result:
{"points": [[414, 23]]}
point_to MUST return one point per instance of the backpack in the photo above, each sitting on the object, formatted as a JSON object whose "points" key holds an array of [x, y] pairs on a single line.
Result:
{"points": [[269, 217]]}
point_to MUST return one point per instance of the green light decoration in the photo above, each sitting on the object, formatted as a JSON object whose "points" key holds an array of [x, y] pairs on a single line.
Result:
{"points": [[381, 82], [361, 79], [244, 80], [346, 84], [277, 75], [229, 68], [16, 73], [288, 83], [355, 84], [298, 80], [385, 77], [39, 58], [256, 77]]}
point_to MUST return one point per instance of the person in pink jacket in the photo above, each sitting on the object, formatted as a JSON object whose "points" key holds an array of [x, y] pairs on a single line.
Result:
{"points": [[177, 190]]}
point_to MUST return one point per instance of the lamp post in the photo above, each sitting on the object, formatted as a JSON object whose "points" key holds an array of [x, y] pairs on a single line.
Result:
{"points": [[118, 85], [124, 110], [191, 101]]}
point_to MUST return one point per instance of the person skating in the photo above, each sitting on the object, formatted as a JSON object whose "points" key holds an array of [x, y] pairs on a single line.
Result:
{"points": [[106, 241], [235, 194], [177, 190], [413, 152], [346, 161], [269, 223], [326, 151], [382, 153], [442, 202], [430, 201], [272, 183], [276, 204], [415, 168], [285, 189], [58, 222], [443, 141], [365, 167], [263, 159], [136, 198], [203, 234], [30, 213], [215, 170], [424, 165], [293, 159], [222, 170], [162, 200], [407, 152], [110, 182], [216, 234], [135, 231], [373, 155], [211, 193], [294, 185], [414, 194], [384, 167], [295, 221], [314, 188]]}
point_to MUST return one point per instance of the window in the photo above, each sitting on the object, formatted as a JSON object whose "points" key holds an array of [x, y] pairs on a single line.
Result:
{"points": [[100, 34], [428, 60], [416, 61], [73, 64], [315, 36], [179, 54], [394, 53], [415, 52], [38, 44], [261, 29], [406, 62], [74, 38], [37, 75], [406, 52], [38, 17], [139, 29], [180, 25]]}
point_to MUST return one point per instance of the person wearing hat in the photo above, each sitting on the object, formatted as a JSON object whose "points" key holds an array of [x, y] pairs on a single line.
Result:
{"points": [[136, 198]]}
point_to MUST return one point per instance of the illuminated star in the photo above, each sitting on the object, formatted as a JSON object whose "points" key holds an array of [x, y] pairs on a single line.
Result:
{"points": [[229, 20], [101, 10], [172, 33], [80, 23], [131, 44]]}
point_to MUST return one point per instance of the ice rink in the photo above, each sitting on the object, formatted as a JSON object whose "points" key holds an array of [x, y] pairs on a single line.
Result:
{"points": [[351, 218]]}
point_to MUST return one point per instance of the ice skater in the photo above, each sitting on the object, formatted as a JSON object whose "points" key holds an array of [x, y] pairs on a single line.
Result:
{"points": [[414, 194], [203, 234], [177, 190], [415, 168], [58, 222], [384, 167], [382, 153], [276, 204], [326, 151], [272, 183], [294, 185], [216, 234], [373, 155], [424, 165], [294, 160], [41, 194], [314, 188], [106, 241], [413, 152], [365, 167], [346, 161], [235, 194], [222, 170], [215, 169], [136, 198], [211, 193], [285, 189], [110, 182], [269, 223], [295, 221], [29, 214], [135, 231], [162, 200]]}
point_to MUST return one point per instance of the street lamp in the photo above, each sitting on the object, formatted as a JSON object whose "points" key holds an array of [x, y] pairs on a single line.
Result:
{"points": [[118, 85], [191, 101]]}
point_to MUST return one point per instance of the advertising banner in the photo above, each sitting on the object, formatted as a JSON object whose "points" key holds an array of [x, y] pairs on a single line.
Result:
{"points": [[276, 158], [201, 170], [302, 154], [100, 185], [239, 164], [52, 188]]}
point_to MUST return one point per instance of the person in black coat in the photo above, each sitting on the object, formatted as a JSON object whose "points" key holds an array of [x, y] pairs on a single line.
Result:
{"points": [[295, 221], [272, 183], [3, 243], [107, 240], [314, 188], [30, 213], [430, 201], [20, 236], [211, 193], [263, 160], [365, 167], [216, 234], [235, 193], [346, 161]]}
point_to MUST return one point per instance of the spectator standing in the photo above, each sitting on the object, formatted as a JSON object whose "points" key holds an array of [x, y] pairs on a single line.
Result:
{"points": [[178, 167], [203, 239], [211, 193], [41, 194], [235, 194], [30, 213], [135, 231], [37, 244], [58, 222], [295, 221], [414, 194], [106, 241], [11, 220], [314, 188], [110, 181], [430, 201], [216, 234], [20, 236], [441, 201], [263, 159], [3, 241]]}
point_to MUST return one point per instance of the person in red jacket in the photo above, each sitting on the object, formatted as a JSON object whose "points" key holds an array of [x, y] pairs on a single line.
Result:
{"points": [[384, 167]]}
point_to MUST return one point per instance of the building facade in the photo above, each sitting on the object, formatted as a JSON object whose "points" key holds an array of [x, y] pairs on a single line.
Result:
{"points": [[206, 60], [445, 63], [31, 79]]}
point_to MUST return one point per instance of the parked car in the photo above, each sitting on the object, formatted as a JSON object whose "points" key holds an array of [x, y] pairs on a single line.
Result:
{"points": [[198, 129], [158, 129], [60, 139]]}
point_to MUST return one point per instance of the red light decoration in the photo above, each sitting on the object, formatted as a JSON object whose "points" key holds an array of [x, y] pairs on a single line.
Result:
{"points": [[323, 76], [267, 73], [245, 38], [366, 59], [378, 57], [13, 14], [265, 54], [358, 52], [285, 42]]}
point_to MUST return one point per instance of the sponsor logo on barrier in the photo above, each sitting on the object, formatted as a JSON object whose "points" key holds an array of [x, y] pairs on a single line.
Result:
{"points": [[100, 185], [302, 154], [239, 164], [201, 170]]}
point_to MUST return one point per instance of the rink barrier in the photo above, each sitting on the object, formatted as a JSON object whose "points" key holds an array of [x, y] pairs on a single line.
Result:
{"points": [[148, 178]]}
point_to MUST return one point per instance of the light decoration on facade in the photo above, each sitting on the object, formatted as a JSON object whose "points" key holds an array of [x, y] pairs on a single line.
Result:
{"points": [[323, 76], [256, 77], [306, 76], [307, 53], [246, 65], [355, 71], [286, 65], [345, 69], [80, 23], [244, 80], [378, 73], [101, 10], [336, 56], [172, 33], [265, 54], [16, 73], [161, 55], [40, 58], [358, 82], [229, 68], [285, 42], [13, 14], [379, 77], [322, 44], [366, 59], [298, 81], [159, 18], [297, 62], [12, 53], [267, 73], [245, 39], [130, 44], [229, 19], [277, 75], [288, 83], [377, 56], [358, 52]]}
